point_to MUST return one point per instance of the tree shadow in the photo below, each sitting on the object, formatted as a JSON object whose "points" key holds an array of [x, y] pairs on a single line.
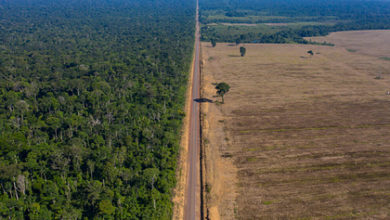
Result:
{"points": [[200, 100], [231, 55]]}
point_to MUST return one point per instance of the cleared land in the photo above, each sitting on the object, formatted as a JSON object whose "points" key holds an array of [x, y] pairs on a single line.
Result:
{"points": [[374, 43], [300, 136]]}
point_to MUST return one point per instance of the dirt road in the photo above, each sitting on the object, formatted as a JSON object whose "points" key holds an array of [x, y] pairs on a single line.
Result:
{"points": [[192, 195]]}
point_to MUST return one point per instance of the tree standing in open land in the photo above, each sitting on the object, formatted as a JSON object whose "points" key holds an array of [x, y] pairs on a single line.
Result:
{"points": [[213, 42], [242, 51], [222, 89]]}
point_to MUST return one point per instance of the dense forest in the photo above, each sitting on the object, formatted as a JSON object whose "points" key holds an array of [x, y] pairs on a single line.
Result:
{"points": [[326, 16], [91, 100]]}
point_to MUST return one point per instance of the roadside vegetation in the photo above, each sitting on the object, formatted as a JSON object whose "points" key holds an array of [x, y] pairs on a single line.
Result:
{"points": [[91, 99], [288, 21]]}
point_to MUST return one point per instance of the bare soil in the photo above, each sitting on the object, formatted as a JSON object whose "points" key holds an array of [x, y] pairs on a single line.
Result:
{"points": [[299, 136], [221, 174]]}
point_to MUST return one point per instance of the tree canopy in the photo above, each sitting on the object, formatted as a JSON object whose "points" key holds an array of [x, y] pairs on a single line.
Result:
{"points": [[222, 88], [213, 43], [91, 99], [288, 21], [242, 51]]}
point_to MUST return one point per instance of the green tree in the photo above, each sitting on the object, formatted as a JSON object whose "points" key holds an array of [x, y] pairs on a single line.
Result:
{"points": [[222, 89], [64, 150], [242, 51], [151, 175], [213, 42], [106, 208]]}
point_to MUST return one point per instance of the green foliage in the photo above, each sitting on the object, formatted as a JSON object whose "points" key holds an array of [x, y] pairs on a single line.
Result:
{"points": [[91, 99], [242, 51], [288, 21], [222, 88], [106, 208], [213, 43]]}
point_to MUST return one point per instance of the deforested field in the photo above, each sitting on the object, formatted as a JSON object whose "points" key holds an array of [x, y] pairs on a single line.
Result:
{"points": [[367, 42], [300, 136]]}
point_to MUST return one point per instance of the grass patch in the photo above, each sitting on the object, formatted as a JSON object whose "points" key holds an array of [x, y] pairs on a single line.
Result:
{"points": [[385, 58], [267, 202], [227, 155], [251, 159], [208, 188], [352, 50], [252, 149]]}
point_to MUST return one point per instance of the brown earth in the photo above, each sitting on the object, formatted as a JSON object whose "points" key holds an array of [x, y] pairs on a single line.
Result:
{"points": [[299, 136], [374, 43], [220, 176]]}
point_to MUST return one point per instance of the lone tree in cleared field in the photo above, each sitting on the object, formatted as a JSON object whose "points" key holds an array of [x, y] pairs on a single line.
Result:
{"points": [[310, 52], [213, 43], [242, 51], [222, 89]]}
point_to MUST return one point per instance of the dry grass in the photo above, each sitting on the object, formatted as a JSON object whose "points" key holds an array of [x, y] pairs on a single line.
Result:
{"points": [[373, 43], [309, 136]]}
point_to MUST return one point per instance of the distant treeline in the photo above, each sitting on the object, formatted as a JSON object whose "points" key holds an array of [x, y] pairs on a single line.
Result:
{"points": [[91, 99], [291, 35], [345, 14], [340, 9]]}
